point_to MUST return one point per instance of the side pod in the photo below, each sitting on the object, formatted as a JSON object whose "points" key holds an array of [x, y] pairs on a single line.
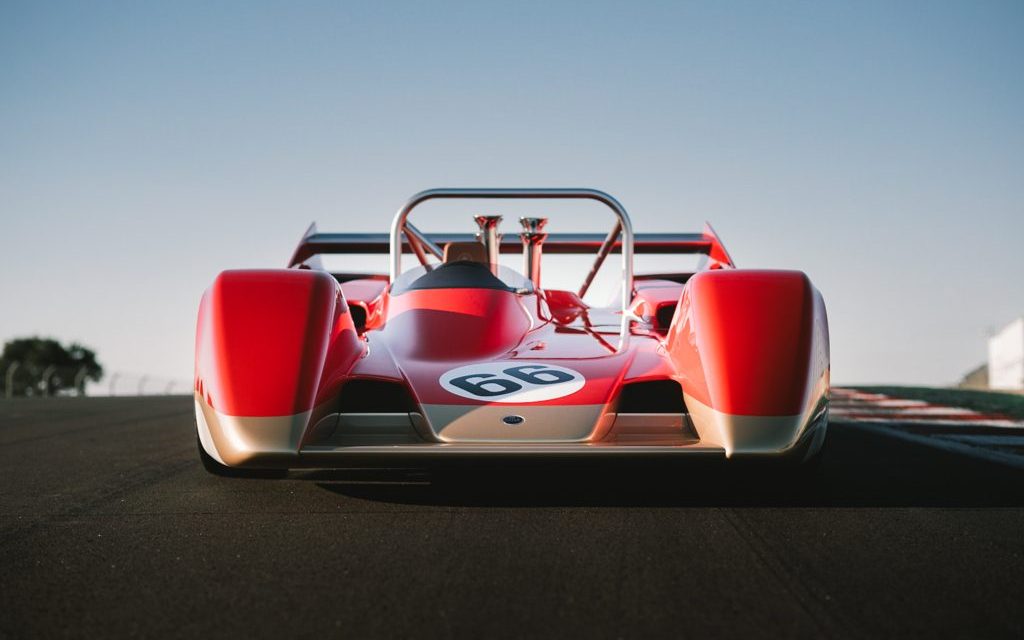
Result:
{"points": [[272, 349], [750, 349]]}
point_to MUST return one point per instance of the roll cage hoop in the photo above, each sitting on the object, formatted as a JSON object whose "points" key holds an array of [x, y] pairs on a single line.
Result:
{"points": [[421, 244]]}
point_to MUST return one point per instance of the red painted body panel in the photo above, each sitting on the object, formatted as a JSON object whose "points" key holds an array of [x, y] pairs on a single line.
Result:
{"points": [[446, 325], [265, 339], [367, 293], [649, 361], [652, 295], [565, 306], [433, 331], [742, 341], [363, 289]]}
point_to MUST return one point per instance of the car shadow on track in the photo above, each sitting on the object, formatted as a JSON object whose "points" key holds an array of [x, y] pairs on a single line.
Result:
{"points": [[858, 469]]}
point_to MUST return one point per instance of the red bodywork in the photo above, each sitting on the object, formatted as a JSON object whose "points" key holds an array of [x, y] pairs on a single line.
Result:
{"points": [[273, 342], [742, 345]]}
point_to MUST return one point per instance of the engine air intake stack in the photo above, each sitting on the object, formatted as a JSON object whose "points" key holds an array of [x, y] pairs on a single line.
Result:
{"points": [[533, 236], [490, 237]]}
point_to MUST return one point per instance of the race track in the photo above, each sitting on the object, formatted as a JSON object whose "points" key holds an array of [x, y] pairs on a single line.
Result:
{"points": [[110, 527]]}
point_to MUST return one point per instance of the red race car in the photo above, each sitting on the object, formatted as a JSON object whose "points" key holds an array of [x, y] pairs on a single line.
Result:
{"points": [[463, 357]]}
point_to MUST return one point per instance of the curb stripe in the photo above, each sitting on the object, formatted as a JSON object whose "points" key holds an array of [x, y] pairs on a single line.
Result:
{"points": [[992, 437]]}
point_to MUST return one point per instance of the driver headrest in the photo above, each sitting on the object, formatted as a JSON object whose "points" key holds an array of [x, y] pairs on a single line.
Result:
{"points": [[465, 252]]}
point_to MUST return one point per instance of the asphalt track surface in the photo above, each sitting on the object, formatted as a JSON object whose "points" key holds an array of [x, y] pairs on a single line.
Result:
{"points": [[110, 527]]}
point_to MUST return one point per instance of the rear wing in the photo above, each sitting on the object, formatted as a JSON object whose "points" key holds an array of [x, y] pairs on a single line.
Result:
{"points": [[706, 243]]}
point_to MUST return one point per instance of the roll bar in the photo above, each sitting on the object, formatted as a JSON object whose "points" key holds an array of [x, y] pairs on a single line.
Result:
{"points": [[398, 225]]}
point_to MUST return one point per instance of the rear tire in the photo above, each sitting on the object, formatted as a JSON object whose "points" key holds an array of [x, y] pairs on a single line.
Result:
{"points": [[215, 468]]}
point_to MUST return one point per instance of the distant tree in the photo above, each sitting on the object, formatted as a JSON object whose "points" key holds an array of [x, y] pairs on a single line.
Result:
{"points": [[45, 367]]}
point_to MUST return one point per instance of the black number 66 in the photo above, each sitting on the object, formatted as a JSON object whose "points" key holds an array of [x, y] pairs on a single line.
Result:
{"points": [[488, 385]]}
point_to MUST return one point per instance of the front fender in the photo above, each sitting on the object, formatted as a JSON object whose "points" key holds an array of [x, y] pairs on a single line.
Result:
{"points": [[750, 349], [271, 347]]}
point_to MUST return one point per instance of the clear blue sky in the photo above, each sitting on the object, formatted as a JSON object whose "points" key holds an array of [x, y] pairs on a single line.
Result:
{"points": [[878, 146]]}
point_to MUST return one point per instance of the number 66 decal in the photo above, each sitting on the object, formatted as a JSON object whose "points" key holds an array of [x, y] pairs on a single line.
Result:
{"points": [[512, 381]]}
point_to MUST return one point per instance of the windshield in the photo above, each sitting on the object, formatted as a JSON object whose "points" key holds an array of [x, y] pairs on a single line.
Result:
{"points": [[462, 275]]}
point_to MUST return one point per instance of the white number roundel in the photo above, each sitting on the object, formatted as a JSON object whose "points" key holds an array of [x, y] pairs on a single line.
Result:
{"points": [[512, 381]]}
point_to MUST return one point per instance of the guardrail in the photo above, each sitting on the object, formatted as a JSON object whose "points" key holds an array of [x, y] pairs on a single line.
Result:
{"points": [[118, 383]]}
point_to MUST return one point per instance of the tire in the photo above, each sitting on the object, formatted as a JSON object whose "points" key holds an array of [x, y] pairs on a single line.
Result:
{"points": [[805, 463], [215, 468], [800, 465], [816, 447]]}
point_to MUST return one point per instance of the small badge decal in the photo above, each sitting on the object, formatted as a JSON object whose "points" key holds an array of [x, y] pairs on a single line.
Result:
{"points": [[513, 420], [512, 381]]}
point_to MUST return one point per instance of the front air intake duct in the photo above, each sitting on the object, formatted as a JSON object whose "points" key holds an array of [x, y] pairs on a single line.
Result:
{"points": [[654, 396], [375, 396]]}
